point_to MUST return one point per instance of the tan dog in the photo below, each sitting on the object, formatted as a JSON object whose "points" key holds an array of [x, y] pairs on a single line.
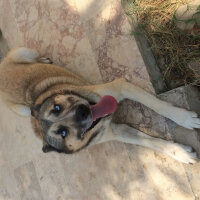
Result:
{"points": [[69, 114]]}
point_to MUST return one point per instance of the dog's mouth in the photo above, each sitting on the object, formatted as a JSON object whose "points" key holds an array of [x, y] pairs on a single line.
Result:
{"points": [[104, 108], [94, 123]]}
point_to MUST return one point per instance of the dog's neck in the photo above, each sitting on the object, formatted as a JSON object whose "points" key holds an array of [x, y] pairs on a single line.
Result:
{"points": [[58, 85]]}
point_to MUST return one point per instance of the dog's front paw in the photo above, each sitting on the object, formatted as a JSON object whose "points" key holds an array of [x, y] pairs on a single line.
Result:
{"points": [[186, 118], [182, 153]]}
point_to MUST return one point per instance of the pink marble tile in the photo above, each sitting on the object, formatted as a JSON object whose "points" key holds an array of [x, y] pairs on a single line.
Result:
{"points": [[116, 51], [54, 28], [9, 26], [44, 22]]}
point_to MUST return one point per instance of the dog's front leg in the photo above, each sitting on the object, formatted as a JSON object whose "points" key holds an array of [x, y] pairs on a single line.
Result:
{"points": [[126, 134], [122, 89]]}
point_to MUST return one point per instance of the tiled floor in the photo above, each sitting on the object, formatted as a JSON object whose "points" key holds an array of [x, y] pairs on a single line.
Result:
{"points": [[92, 39]]}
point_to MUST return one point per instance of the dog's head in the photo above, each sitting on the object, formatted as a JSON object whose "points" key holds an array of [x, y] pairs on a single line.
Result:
{"points": [[67, 122]]}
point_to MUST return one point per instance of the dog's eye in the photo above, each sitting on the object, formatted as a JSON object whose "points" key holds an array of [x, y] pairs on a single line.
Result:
{"points": [[63, 132], [57, 109]]}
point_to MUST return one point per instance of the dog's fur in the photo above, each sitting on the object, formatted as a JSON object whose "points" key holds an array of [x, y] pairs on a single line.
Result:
{"points": [[31, 85]]}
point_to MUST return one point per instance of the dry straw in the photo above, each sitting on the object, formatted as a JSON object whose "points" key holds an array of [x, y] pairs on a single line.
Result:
{"points": [[175, 50]]}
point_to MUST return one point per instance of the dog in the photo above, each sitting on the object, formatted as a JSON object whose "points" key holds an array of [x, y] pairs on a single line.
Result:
{"points": [[70, 114]]}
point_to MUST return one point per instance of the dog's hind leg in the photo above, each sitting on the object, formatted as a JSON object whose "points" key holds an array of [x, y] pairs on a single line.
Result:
{"points": [[25, 55], [126, 134]]}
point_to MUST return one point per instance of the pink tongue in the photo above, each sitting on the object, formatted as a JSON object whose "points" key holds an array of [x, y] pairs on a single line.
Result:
{"points": [[107, 105]]}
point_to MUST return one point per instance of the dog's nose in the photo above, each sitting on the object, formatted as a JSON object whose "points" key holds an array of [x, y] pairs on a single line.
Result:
{"points": [[82, 113]]}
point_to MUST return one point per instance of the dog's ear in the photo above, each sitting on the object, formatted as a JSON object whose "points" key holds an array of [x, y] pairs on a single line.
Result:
{"points": [[47, 148], [35, 110]]}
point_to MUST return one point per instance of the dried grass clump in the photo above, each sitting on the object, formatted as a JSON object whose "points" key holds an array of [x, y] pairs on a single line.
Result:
{"points": [[175, 50]]}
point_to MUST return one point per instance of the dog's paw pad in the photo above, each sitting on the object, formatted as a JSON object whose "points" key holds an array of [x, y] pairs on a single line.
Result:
{"points": [[182, 153], [189, 149], [45, 60], [193, 121], [187, 119]]}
